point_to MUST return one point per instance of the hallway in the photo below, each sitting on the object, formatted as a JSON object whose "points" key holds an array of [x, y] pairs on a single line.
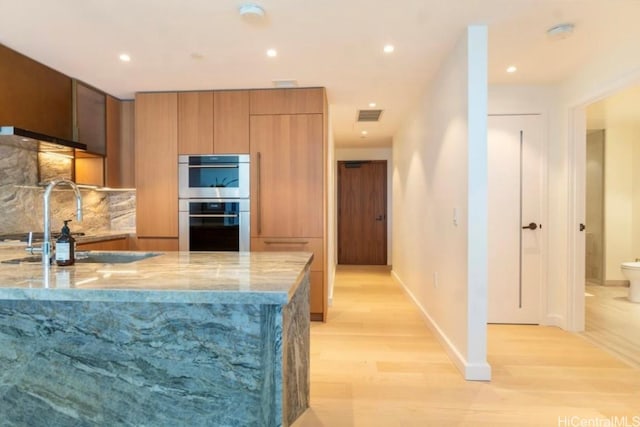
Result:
{"points": [[375, 363]]}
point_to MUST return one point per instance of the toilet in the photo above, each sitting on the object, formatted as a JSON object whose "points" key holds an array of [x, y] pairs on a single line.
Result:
{"points": [[631, 271]]}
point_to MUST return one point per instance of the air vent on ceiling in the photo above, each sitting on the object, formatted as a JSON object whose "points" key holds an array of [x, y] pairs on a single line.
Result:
{"points": [[369, 115]]}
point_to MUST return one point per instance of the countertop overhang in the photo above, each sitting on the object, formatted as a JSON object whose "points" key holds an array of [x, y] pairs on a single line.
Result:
{"points": [[172, 277]]}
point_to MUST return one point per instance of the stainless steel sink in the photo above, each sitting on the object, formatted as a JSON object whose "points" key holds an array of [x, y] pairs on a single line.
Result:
{"points": [[93, 257], [114, 257]]}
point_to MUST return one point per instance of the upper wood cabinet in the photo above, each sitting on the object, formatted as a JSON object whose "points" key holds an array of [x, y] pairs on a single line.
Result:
{"points": [[90, 117], [287, 101], [213, 122], [113, 168], [156, 160], [195, 122], [34, 96], [287, 177], [231, 122]]}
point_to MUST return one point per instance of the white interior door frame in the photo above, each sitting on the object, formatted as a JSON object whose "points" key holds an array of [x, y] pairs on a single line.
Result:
{"points": [[576, 212]]}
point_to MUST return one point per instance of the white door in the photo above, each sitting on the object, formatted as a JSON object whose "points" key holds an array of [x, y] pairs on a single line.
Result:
{"points": [[515, 228]]}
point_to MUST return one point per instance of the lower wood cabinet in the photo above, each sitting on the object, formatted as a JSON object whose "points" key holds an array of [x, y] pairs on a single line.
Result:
{"points": [[154, 244], [317, 298]]}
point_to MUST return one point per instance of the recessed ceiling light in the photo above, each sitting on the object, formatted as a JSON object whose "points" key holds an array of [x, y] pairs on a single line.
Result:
{"points": [[511, 69], [124, 57], [272, 53], [364, 133], [389, 48], [372, 104]]}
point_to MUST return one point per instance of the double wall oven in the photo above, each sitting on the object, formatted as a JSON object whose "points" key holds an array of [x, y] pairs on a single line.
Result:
{"points": [[214, 202]]}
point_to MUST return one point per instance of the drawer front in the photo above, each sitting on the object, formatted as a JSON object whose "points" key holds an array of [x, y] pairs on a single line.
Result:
{"points": [[297, 244]]}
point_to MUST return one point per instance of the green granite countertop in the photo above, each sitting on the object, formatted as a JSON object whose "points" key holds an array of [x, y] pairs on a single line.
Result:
{"points": [[181, 277]]}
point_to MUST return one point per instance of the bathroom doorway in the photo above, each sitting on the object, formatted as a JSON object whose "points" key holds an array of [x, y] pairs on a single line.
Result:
{"points": [[612, 213]]}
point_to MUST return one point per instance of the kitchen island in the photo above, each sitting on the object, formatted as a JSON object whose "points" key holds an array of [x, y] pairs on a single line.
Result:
{"points": [[197, 339]]}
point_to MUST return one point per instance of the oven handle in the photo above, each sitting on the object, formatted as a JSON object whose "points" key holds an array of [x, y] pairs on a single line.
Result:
{"points": [[213, 166], [213, 216], [286, 242]]}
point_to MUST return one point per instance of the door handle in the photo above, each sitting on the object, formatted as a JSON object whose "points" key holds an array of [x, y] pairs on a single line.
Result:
{"points": [[380, 218], [582, 227], [531, 226]]}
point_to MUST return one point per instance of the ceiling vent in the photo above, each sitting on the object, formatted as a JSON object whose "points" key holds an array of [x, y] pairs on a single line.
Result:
{"points": [[369, 115]]}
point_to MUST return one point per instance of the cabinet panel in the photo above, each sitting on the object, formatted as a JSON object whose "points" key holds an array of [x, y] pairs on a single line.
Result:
{"points": [[127, 146], [314, 245], [231, 122], [154, 244], [287, 101], [121, 244], [156, 159], [113, 170], [90, 117], [34, 96], [317, 296], [195, 122], [287, 175]]}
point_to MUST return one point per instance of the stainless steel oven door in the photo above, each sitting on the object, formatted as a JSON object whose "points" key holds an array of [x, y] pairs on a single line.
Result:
{"points": [[213, 176], [214, 225]]}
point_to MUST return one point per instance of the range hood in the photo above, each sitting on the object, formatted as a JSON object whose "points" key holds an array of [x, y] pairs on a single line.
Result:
{"points": [[34, 141]]}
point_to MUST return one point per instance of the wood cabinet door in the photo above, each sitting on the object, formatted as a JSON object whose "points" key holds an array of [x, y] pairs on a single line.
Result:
{"points": [[231, 122], [156, 159], [287, 175], [113, 176], [287, 101], [33, 96], [195, 122]]}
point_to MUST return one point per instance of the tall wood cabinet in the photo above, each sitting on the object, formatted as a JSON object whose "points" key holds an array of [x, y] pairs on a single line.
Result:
{"points": [[288, 180], [156, 171]]}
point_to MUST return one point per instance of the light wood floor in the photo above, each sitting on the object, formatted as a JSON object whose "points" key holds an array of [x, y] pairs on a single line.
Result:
{"points": [[375, 363], [613, 322]]}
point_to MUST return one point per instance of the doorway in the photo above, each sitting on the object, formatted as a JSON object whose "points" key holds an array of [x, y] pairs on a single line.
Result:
{"points": [[362, 212], [516, 229]]}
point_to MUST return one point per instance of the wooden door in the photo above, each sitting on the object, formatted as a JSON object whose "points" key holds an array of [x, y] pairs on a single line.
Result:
{"points": [[287, 175], [362, 212], [515, 228]]}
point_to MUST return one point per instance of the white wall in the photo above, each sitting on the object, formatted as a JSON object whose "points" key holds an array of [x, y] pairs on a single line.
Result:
{"points": [[439, 167], [345, 154]]}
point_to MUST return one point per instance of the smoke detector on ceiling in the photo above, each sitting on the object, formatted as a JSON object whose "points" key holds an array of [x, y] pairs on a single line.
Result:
{"points": [[560, 31], [251, 10]]}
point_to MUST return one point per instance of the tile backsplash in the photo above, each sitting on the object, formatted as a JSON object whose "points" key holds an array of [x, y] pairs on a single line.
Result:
{"points": [[21, 199]]}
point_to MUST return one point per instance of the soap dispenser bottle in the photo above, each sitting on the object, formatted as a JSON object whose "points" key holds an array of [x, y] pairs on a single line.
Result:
{"points": [[65, 247]]}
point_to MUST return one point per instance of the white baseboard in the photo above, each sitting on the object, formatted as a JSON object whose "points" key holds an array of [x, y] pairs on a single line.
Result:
{"points": [[470, 371], [554, 320]]}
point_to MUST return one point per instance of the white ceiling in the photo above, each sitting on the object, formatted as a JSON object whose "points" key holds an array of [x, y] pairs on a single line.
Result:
{"points": [[332, 43]]}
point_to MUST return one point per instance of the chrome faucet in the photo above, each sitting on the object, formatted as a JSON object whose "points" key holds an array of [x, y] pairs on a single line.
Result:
{"points": [[46, 242]]}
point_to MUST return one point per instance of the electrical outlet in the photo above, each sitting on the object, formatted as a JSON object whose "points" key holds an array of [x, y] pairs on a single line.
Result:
{"points": [[435, 279]]}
